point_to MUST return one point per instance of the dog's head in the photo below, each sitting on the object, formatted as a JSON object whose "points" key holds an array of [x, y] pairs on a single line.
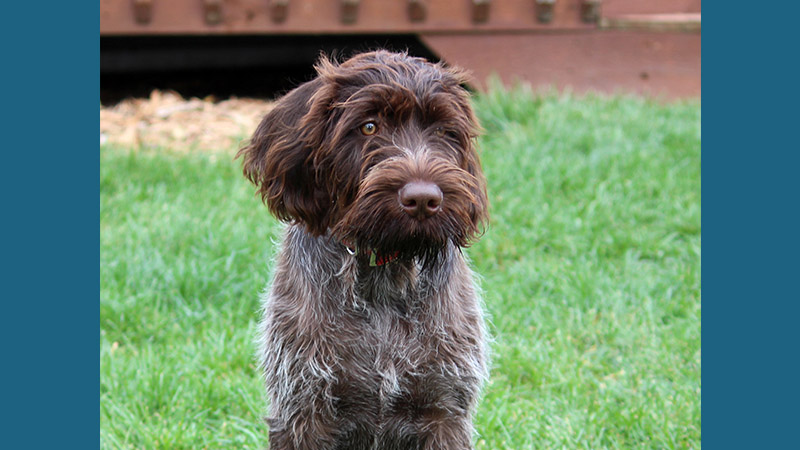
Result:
{"points": [[379, 150]]}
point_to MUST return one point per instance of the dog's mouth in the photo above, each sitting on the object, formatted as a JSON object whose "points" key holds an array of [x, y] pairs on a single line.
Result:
{"points": [[379, 223]]}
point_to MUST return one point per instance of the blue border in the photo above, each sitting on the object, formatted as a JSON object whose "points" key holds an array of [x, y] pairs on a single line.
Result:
{"points": [[50, 300], [751, 203], [50, 313]]}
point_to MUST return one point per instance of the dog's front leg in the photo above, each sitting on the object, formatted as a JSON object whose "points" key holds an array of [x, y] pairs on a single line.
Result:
{"points": [[447, 432], [309, 427], [300, 375]]}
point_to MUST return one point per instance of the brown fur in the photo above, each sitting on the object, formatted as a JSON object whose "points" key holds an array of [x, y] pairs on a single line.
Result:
{"points": [[355, 356]]}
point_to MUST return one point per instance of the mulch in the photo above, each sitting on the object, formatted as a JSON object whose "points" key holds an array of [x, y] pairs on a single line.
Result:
{"points": [[167, 121]]}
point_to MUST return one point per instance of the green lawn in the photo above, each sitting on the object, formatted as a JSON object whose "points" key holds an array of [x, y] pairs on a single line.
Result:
{"points": [[591, 269]]}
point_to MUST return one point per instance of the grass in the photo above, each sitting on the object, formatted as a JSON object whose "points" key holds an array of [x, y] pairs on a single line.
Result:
{"points": [[591, 268]]}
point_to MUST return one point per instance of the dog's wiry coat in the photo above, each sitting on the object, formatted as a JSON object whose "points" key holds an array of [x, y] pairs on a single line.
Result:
{"points": [[357, 356]]}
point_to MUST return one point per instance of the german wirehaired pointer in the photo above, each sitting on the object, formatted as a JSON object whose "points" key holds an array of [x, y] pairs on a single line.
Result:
{"points": [[372, 335]]}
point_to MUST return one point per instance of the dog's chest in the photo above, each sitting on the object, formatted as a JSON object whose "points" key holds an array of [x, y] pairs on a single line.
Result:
{"points": [[403, 356], [398, 352]]}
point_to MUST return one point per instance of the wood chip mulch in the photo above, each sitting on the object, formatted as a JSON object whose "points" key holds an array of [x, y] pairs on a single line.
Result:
{"points": [[168, 121]]}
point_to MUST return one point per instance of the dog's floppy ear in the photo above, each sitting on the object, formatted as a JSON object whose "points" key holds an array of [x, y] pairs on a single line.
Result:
{"points": [[479, 211], [276, 159]]}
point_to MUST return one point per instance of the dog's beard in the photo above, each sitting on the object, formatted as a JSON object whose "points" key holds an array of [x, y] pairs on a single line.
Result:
{"points": [[424, 242], [379, 224]]}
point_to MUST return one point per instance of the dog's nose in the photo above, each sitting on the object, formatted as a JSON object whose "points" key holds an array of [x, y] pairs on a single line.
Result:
{"points": [[421, 199]]}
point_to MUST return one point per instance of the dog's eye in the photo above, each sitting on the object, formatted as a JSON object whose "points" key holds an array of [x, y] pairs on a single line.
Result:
{"points": [[440, 131], [369, 128]]}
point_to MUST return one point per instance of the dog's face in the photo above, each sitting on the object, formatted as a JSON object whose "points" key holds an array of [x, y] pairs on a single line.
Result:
{"points": [[379, 150]]}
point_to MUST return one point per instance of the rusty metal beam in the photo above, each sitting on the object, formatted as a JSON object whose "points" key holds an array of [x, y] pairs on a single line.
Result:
{"points": [[623, 7], [650, 47], [316, 17], [689, 22], [660, 64]]}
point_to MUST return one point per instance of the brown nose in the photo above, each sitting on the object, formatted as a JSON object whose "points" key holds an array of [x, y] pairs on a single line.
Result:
{"points": [[420, 199]]}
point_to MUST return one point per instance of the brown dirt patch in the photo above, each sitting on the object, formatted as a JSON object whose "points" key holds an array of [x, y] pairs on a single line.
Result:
{"points": [[168, 121]]}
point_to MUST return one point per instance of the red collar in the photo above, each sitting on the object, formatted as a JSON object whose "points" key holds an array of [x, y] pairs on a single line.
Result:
{"points": [[375, 258]]}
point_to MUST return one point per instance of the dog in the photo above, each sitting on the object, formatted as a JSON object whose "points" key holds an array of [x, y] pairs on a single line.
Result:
{"points": [[373, 333]]}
